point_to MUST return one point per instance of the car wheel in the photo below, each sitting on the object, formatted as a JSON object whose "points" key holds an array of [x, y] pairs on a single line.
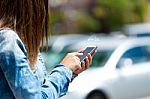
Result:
{"points": [[96, 95]]}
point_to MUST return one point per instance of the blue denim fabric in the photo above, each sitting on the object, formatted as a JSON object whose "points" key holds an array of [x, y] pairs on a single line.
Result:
{"points": [[18, 81]]}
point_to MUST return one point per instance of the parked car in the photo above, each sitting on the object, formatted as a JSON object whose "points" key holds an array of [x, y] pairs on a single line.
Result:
{"points": [[126, 74], [61, 45]]}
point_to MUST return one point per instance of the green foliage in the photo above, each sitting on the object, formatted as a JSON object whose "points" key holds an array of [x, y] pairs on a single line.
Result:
{"points": [[56, 17], [112, 14], [87, 23], [103, 16], [140, 7]]}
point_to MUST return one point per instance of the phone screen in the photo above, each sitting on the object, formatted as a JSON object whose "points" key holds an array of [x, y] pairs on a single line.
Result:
{"points": [[86, 51]]}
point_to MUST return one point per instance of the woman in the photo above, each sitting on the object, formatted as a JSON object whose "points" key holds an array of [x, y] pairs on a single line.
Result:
{"points": [[23, 25]]}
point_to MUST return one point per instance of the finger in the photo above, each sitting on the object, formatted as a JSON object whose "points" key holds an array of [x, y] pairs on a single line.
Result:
{"points": [[83, 66], [77, 54], [77, 71], [87, 62], [92, 54], [81, 50], [89, 58]]}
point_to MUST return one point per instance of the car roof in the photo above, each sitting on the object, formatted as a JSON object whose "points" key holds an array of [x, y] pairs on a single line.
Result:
{"points": [[102, 42], [74, 42], [140, 29]]}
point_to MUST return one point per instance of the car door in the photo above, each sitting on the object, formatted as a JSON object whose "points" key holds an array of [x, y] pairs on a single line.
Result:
{"points": [[134, 73]]}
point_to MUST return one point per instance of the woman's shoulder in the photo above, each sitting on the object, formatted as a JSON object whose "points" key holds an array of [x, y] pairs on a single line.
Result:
{"points": [[8, 33], [9, 39]]}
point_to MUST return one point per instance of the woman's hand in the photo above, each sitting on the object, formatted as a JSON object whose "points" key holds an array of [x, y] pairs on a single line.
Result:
{"points": [[84, 64], [87, 61], [72, 61]]}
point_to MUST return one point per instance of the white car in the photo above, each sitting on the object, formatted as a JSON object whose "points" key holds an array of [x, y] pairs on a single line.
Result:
{"points": [[140, 29], [126, 75]]}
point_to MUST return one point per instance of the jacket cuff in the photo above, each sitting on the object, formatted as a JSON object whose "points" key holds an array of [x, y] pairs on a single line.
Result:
{"points": [[71, 75]]}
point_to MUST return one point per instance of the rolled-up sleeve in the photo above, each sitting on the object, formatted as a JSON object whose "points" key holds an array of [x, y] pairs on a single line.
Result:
{"points": [[23, 83], [57, 81]]}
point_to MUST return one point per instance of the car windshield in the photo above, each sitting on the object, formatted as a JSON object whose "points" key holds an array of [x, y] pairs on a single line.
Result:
{"points": [[100, 58]]}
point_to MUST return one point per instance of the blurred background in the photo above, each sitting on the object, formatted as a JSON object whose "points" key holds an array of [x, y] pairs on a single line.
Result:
{"points": [[74, 20], [96, 16], [121, 30]]}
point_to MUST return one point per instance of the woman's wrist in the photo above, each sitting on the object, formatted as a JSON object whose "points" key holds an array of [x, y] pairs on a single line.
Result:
{"points": [[73, 75]]}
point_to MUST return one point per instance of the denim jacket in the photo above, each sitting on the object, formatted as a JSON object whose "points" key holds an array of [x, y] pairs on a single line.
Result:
{"points": [[18, 81]]}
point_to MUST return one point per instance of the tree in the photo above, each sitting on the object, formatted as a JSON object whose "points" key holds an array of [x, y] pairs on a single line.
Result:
{"points": [[113, 14], [99, 16]]}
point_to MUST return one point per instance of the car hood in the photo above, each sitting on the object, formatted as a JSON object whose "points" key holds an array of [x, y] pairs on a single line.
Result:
{"points": [[90, 79]]}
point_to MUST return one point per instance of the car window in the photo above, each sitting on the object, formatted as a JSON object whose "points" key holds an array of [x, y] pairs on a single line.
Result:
{"points": [[100, 58], [135, 55]]}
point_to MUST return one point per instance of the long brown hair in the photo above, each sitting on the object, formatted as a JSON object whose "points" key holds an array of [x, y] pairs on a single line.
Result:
{"points": [[29, 18]]}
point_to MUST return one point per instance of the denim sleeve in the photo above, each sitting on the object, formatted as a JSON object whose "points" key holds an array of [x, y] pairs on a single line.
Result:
{"points": [[58, 80], [24, 85]]}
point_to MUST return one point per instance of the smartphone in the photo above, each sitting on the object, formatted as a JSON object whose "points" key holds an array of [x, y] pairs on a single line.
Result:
{"points": [[86, 51]]}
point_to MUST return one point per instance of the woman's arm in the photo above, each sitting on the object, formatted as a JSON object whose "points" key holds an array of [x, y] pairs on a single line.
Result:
{"points": [[21, 80]]}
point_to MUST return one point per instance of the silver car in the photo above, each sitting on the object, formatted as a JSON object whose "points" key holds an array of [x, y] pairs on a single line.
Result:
{"points": [[126, 74]]}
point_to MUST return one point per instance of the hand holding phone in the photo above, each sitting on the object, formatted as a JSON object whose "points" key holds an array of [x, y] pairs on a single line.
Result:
{"points": [[86, 51]]}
